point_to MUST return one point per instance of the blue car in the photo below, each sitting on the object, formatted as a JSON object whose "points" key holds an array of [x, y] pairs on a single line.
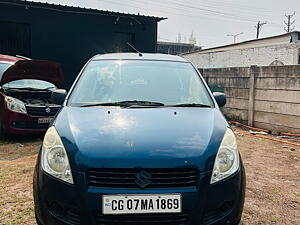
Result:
{"points": [[140, 139]]}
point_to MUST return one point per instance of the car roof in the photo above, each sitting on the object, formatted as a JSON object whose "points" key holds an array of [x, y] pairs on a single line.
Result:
{"points": [[136, 56], [9, 59]]}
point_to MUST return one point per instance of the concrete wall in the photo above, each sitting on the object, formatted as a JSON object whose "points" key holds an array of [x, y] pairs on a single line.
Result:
{"points": [[288, 54], [265, 97]]}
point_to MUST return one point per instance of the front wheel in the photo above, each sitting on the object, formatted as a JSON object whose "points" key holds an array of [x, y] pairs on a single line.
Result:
{"points": [[239, 223], [38, 222]]}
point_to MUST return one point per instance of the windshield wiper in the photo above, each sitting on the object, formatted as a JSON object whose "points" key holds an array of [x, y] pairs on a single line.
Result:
{"points": [[190, 105], [101, 104], [126, 104], [47, 88]]}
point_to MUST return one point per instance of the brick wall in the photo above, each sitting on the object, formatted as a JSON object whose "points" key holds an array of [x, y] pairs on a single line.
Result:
{"points": [[263, 56]]}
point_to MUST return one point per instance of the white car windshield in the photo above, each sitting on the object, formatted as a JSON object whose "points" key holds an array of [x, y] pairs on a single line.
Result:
{"points": [[29, 83]]}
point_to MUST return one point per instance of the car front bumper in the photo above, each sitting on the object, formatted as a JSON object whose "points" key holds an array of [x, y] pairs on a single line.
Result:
{"points": [[18, 123], [58, 203]]}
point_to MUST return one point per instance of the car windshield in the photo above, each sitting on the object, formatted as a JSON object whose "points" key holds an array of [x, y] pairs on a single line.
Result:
{"points": [[29, 83], [3, 68], [165, 82]]}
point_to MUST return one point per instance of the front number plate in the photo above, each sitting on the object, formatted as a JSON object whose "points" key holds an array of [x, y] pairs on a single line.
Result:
{"points": [[137, 204], [45, 120]]}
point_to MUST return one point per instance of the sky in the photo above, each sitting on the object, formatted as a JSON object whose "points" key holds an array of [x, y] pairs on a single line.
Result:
{"points": [[210, 21]]}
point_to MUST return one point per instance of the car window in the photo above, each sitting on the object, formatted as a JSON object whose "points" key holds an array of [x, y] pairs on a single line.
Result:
{"points": [[127, 80], [3, 68], [29, 83]]}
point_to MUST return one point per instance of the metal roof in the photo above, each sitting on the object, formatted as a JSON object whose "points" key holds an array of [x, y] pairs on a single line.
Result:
{"points": [[76, 9], [176, 43], [244, 42], [135, 56]]}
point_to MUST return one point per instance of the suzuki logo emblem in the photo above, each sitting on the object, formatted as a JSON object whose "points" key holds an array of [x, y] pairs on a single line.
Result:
{"points": [[48, 110], [143, 179]]}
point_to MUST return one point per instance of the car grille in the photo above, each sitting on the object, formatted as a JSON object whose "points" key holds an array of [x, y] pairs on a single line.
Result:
{"points": [[159, 177], [147, 219], [42, 110]]}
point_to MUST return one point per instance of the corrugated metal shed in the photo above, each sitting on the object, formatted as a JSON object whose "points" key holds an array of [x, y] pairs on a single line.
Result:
{"points": [[71, 35], [77, 9]]}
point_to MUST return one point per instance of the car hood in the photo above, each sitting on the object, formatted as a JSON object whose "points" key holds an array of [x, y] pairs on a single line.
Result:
{"points": [[34, 69], [145, 137]]}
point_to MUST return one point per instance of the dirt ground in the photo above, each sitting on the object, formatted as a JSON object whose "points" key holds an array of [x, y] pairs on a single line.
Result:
{"points": [[272, 168]]}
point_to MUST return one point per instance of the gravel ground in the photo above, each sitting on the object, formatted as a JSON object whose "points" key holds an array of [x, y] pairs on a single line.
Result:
{"points": [[272, 168]]}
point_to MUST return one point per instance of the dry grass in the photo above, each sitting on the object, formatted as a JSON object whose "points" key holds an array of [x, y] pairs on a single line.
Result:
{"points": [[17, 161], [273, 182]]}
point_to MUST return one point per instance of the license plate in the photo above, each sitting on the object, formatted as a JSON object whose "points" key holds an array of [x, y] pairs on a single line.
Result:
{"points": [[137, 204], [45, 120]]}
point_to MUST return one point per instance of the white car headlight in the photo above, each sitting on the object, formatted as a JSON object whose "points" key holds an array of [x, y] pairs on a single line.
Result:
{"points": [[54, 157], [15, 105], [227, 161]]}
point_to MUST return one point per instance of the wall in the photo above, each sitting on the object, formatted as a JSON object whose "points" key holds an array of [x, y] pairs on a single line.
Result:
{"points": [[72, 38], [266, 97], [262, 56]]}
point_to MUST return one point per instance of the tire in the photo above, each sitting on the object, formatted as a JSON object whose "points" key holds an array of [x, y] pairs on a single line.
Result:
{"points": [[239, 223], [2, 134], [38, 222]]}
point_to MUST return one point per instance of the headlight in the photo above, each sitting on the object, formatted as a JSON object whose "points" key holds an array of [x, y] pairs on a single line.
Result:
{"points": [[54, 157], [227, 160], [15, 105]]}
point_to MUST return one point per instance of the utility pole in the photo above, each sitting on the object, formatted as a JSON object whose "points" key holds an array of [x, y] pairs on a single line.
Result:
{"points": [[234, 36], [258, 27], [289, 22]]}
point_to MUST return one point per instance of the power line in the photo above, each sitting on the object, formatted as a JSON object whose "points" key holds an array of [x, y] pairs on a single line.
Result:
{"points": [[289, 22], [220, 12], [234, 36], [225, 7], [242, 6], [258, 27], [217, 16], [180, 7], [236, 13], [210, 11]]}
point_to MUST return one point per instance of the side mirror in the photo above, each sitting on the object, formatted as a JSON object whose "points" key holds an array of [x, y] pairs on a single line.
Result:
{"points": [[58, 96], [220, 98]]}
